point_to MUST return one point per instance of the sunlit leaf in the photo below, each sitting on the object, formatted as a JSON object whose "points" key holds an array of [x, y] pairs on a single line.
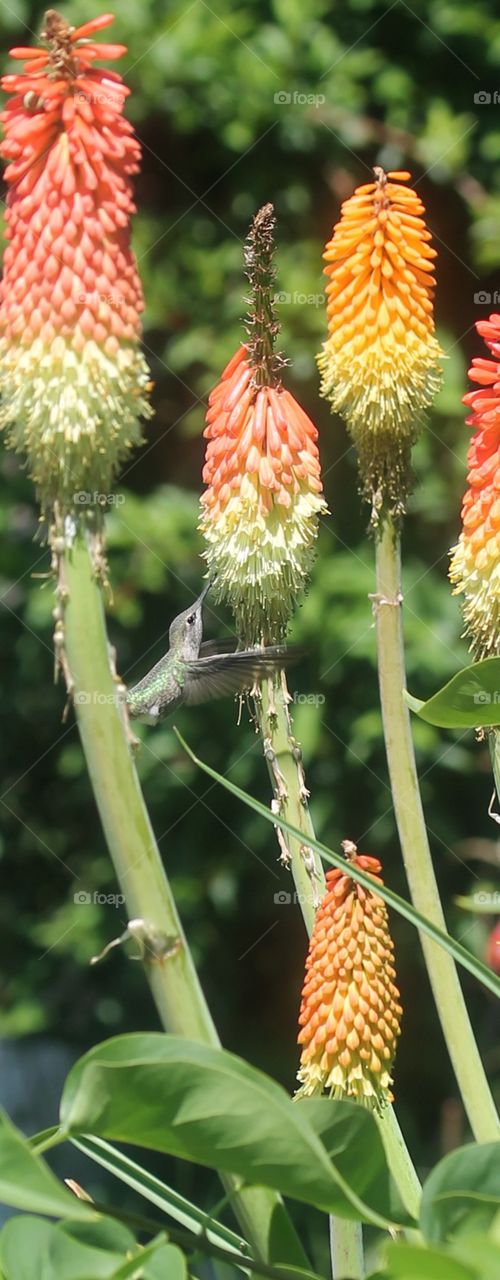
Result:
{"points": [[470, 700], [206, 1105], [463, 1189]]}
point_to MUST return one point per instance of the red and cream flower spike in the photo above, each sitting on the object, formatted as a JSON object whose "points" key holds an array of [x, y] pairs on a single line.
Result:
{"points": [[264, 493], [379, 365], [72, 378], [350, 1012], [475, 563]]}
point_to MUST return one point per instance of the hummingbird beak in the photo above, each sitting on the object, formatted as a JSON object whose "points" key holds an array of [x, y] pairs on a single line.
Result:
{"points": [[202, 595]]}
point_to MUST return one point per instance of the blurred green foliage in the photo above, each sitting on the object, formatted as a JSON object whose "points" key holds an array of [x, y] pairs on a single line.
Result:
{"points": [[216, 105]]}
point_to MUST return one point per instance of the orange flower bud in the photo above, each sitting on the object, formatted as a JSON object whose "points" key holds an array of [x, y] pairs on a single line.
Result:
{"points": [[350, 1012], [379, 364]]}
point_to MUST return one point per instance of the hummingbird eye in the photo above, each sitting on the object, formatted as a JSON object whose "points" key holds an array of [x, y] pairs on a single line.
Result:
{"points": [[191, 618]]}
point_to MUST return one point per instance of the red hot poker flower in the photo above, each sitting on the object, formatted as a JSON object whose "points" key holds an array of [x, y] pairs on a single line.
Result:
{"points": [[350, 1012], [72, 379], [475, 563], [264, 494]]}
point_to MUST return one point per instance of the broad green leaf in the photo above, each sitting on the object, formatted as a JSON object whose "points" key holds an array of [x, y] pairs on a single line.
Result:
{"points": [[31, 1249], [478, 1252], [352, 1139], [470, 700], [23, 1248], [80, 1250], [206, 1105], [157, 1261], [26, 1182], [463, 1190], [481, 971], [158, 1193], [415, 1262]]}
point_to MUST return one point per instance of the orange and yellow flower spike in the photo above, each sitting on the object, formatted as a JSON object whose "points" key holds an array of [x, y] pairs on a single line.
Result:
{"points": [[350, 1012], [72, 378], [475, 563], [379, 365], [264, 493]]}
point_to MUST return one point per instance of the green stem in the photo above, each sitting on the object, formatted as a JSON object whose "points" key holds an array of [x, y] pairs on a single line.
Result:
{"points": [[346, 1249], [174, 982], [283, 757], [447, 991], [284, 763]]}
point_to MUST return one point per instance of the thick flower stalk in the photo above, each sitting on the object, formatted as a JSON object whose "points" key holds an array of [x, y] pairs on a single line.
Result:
{"points": [[475, 564], [264, 492], [379, 365], [72, 378], [350, 1012]]}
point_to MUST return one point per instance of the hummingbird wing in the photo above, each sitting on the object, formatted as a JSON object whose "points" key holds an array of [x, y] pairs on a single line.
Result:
{"points": [[210, 648], [224, 674]]}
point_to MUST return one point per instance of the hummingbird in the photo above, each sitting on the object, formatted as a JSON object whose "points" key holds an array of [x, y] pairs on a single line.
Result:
{"points": [[193, 671]]}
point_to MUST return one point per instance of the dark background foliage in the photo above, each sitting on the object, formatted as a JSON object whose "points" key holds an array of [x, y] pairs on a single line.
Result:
{"points": [[217, 104]]}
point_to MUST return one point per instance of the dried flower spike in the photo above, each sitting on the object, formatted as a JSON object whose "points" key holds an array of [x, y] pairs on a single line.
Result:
{"points": [[350, 1012], [264, 493], [475, 563], [72, 378], [379, 364]]}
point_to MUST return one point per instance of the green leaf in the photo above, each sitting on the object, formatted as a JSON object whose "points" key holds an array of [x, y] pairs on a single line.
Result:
{"points": [[158, 1193], [31, 1249], [23, 1246], [463, 1189], [26, 1182], [479, 1252], [352, 1139], [157, 1261], [480, 971], [413, 1262], [206, 1105], [470, 700]]}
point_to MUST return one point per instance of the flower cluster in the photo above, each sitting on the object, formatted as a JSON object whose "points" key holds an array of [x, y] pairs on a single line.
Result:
{"points": [[72, 378], [264, 492], [350, 1012], [475, 564], [379, 364]]}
